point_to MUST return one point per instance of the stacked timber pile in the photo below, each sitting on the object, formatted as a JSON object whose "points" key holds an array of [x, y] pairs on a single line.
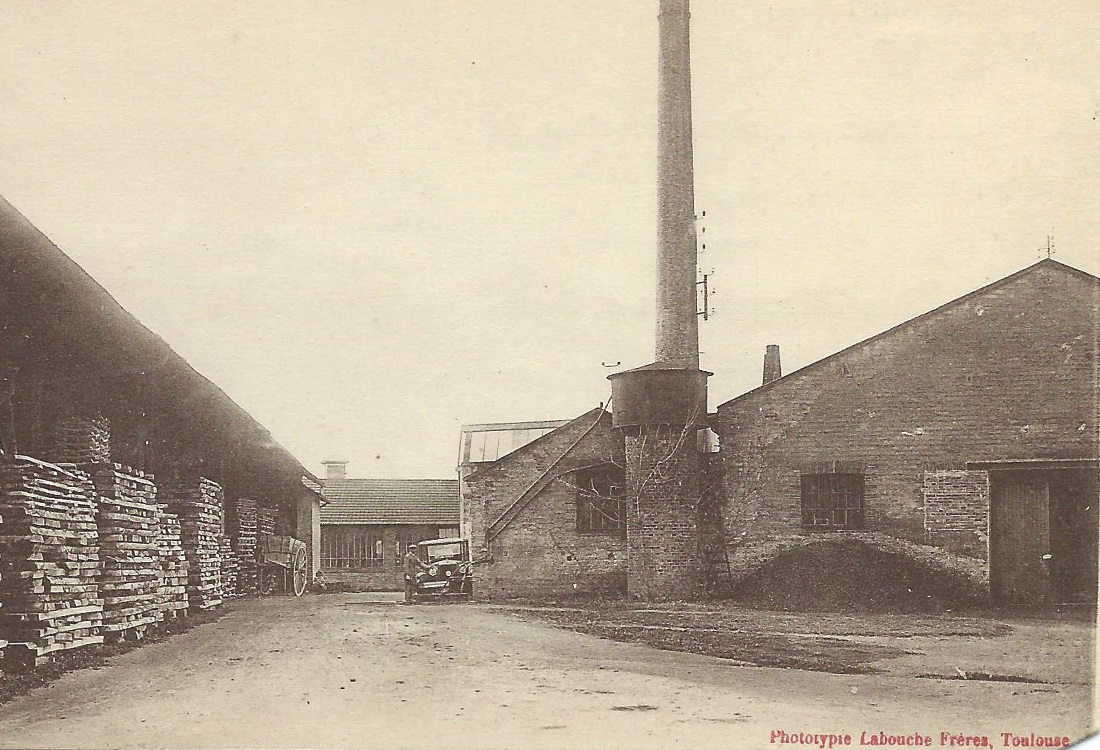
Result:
{"points": [[49, 549], [265, 529], [172, 597], [229, 569], [128, 520], [197, 501], [242, 520], [265, 523], [82, 439]]}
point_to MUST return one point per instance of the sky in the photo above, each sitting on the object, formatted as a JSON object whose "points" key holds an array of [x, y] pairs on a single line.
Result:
{"points": [[373, 222]]}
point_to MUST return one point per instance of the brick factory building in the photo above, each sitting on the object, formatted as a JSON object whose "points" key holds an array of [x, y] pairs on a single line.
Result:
{"points": [[154, 482], [368, 524], [965, 437], [543, 501]]}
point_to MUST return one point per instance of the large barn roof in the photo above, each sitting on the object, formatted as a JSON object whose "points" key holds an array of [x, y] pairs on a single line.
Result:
{"points": [[57, 322]]}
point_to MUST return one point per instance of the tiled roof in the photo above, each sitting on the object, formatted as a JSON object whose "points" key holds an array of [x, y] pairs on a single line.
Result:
{"points": [[391, 501]]}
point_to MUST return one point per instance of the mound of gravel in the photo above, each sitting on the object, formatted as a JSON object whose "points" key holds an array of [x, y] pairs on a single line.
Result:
{"points": [[841, 575]]}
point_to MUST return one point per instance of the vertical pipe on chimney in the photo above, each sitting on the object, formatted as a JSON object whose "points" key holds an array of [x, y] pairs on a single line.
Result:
{"points": [[772, 368], [677, 319]]}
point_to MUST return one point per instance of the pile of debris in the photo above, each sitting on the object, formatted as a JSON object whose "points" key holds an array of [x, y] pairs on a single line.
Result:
{"points": [[50, 557], [129, 524], [848, 575]]}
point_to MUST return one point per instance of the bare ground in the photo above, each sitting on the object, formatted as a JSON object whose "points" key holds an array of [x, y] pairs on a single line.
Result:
{"points": [[1013, 649], [349, 670]]}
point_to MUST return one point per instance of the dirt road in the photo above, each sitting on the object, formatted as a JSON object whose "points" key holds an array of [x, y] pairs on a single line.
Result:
{"points": [[350, 671]]}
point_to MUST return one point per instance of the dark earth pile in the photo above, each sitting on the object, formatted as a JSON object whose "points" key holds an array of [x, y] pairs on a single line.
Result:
{"points": [[848, 575]]}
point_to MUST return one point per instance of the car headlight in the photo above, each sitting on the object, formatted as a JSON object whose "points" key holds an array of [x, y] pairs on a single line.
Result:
{"points": [[448, 572], [433, 571]]}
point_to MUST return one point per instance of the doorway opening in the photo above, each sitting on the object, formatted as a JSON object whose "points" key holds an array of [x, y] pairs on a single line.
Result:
{"points": [[1043, 530]]}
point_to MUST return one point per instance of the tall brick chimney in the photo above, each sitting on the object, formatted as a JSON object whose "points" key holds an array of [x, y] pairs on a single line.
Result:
{"points": [[772, 369], [335, 469], [659, 407], [677, 258]]}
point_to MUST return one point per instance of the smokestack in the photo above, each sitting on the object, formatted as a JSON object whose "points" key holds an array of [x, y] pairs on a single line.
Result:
{"points": [[657, 406], [677, 319], [772, 369], [335, 469]]}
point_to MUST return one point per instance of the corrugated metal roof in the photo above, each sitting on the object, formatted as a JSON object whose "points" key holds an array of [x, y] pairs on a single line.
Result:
{"points": [[391, 501], [483, 443]]}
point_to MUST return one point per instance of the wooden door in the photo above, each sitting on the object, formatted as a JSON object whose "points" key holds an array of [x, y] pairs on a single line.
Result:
{"points": [[1020, 538]]}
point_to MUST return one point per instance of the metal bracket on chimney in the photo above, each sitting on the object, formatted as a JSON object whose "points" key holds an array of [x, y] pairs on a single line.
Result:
{"points": [[707, 310]]}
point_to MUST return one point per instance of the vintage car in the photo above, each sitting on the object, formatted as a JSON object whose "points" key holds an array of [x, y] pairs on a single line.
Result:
{"points": [[449, 573]]}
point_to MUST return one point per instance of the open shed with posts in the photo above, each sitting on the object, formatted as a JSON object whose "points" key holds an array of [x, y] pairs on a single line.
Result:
{"points": [[98, 412]]}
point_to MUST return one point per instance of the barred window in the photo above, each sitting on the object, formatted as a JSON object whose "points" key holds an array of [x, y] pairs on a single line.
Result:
{"points": [[347, 548], [832, 501], [600, 501]]}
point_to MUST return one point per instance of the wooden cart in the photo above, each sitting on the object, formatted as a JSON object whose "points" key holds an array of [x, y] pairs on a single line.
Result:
{"points": [[285, 558]]}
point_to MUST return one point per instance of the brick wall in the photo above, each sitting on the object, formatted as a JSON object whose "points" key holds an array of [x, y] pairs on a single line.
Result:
{"points": [[662, 536], [539, 552], [956, 511], [1007, 373]]}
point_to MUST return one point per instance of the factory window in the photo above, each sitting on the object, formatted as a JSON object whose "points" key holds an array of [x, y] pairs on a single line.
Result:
{"points": [[351, 549], [600, 507], [832, 501], [405, 537]]}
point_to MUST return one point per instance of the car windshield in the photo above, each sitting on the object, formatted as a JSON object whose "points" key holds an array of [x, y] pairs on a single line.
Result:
{"points": [[451, 551]]}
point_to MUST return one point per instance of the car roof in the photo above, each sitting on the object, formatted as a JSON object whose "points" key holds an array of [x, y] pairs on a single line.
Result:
{"points": [[448, 540]]}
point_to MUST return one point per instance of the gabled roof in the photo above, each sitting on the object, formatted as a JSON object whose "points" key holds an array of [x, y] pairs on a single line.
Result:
{"points": [[1046, 263], [391, 501]]}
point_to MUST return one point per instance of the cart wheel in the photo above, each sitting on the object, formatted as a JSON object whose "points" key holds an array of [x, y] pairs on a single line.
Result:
{"points": [[267, 581], [298, 574]]}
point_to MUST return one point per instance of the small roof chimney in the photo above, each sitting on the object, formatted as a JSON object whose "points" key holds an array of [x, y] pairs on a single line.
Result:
{"points": [[772, 369], [335, 469]]}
